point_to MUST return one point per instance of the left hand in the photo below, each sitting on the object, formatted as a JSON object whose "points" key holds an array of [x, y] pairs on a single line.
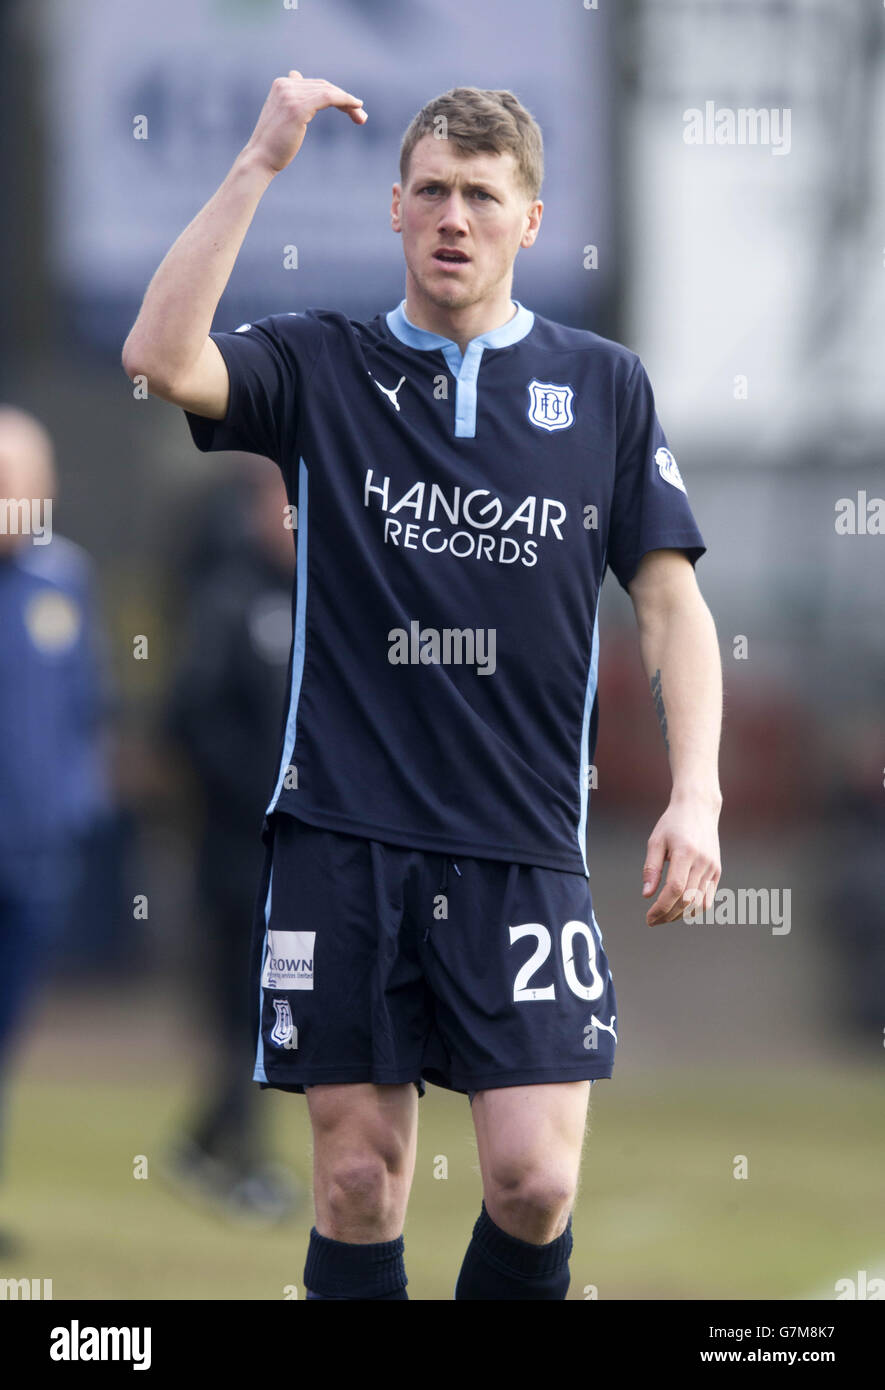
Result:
{"points": [[687, 837]]}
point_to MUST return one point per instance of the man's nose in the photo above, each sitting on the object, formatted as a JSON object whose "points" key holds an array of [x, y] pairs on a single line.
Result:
{"points": [[452, 213]]}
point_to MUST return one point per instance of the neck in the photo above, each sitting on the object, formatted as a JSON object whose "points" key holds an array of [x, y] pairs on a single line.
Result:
{"points": [[461, 324]]}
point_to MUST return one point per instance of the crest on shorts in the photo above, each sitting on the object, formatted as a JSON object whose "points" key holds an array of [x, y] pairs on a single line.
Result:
{"points": [[284, 1029], [550, 405]]}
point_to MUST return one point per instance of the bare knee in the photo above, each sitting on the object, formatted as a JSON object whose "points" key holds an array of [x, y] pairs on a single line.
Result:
{"points": [[363, 1163], [359, 1192], [532, 1203]]}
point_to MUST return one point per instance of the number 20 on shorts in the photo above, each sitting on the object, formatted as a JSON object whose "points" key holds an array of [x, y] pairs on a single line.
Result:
{"points": [[569, 934]]}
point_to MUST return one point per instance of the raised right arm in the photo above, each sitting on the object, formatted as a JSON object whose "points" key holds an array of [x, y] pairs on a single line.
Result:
{"points": [[169, 342]]}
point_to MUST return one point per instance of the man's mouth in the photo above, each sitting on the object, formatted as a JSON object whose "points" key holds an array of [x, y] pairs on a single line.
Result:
{"points": [[447, 255]]}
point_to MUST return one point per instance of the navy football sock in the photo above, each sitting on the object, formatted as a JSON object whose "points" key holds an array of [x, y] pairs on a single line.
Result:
{"points": [[336, 1269], [501, 1266]]}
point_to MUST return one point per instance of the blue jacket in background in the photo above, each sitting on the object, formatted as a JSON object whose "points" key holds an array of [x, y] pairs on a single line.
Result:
{"points": [[53, 701]]}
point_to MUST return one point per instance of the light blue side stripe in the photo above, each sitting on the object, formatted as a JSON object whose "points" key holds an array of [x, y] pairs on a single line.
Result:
{"points": [[259, 1074], [464, 369], [589, 697], [298, 635]]}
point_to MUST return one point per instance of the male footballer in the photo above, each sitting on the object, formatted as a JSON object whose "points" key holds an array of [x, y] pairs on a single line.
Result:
{"points": [[463, 471]]}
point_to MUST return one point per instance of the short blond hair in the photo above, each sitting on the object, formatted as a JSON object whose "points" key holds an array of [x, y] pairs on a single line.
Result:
{"points": [[478, 120]]}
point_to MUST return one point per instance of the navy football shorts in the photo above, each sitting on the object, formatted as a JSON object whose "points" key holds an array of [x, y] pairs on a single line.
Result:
{"points": [[375, 963]]}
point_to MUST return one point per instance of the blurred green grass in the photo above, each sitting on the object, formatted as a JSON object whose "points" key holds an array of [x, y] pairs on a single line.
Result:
{"points": [[659, 1214]]}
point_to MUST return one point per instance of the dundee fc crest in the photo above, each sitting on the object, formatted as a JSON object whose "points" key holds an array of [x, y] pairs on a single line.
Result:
{"points": [[550, 405], [283, 1031]]}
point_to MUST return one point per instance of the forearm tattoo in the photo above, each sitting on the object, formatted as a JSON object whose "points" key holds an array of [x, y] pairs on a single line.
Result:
{"points": [[658, 696]]}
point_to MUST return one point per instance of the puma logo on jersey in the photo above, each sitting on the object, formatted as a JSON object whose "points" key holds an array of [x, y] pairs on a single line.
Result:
{"points": [[388, 391]]}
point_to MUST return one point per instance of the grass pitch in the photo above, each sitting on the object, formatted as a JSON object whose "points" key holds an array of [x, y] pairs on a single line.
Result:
{"points": [[660, 1213]]}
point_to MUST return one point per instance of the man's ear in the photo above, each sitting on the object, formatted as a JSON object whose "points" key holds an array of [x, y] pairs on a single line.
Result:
{"points": [[535, 213], [395, 208]]}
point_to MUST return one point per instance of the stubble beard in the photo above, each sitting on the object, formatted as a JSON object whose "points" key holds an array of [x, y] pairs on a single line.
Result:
{"points": [[449, 296]]}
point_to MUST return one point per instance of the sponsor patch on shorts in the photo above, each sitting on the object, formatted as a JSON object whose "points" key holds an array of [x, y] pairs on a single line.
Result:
{"points": [[288, 962]]}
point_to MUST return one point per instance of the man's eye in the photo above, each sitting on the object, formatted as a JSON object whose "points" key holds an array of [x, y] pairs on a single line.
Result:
{"points": [[434, 188]]}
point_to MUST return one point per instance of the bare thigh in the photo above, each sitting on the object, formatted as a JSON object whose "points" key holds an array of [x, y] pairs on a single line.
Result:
{"points": [[530, 1140], [364, 1146]]}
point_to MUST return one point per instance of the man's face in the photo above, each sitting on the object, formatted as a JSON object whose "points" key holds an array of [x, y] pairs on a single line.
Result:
{"points": [[26, 473], [472, 205]]}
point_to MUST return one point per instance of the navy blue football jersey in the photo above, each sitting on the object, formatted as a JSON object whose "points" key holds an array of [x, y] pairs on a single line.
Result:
{"points": [[455, 516]]}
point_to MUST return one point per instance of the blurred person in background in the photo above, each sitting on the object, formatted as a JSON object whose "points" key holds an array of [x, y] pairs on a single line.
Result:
{"points": [[224, 711], [53, 703]]}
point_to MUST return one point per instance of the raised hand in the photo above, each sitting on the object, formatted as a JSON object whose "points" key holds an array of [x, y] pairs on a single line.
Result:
{"points": [[291, 104]]}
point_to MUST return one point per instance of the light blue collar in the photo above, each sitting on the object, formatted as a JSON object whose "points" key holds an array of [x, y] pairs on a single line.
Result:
{"points": [[465, 369], [424, 340]]}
